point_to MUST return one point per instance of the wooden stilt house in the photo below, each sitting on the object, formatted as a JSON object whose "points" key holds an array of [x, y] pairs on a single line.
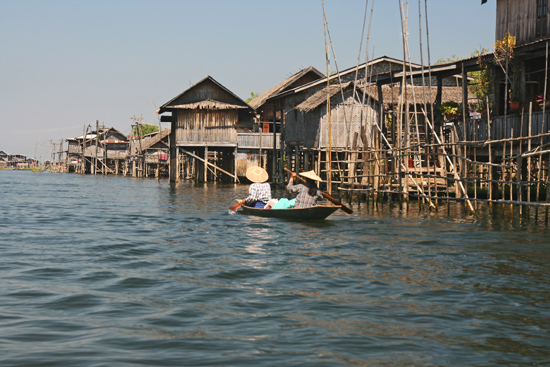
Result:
{"points": [[149, 155], [73, 155], [271, 119], [4, 159], [104, 151], [323, 122], [520, 71], [205, 120], [329, 123]]}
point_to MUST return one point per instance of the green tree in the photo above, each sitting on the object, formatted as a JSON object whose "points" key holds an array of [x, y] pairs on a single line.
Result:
{"points": [[145, 129], [482, 78], [252, 96], [481, 85], [446, 60]]}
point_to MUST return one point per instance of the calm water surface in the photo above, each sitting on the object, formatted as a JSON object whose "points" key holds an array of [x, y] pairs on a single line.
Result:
{"points": [[112, 271]]}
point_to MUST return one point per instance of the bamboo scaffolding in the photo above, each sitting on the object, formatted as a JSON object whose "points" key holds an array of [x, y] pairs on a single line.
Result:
{"points": [[478, 172], [406, 162]]}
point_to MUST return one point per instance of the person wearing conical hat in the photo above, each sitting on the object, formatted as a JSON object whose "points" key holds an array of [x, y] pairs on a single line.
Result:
{"points": [[259, 192], [308, 193]]}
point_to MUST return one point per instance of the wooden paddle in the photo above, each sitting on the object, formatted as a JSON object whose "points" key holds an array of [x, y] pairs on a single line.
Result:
{"points": [[238, 205], [327, 196]]}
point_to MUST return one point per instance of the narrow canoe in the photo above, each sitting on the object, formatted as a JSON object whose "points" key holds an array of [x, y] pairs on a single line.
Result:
{"points": [[312, 213]]}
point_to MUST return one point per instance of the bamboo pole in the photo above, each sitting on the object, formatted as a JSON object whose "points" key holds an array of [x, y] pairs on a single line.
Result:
{"points": [[511, 170], [453, 139], [206, 164], [529, 149], [547, 184], [397, 161], [451, 164], [329, 152]]}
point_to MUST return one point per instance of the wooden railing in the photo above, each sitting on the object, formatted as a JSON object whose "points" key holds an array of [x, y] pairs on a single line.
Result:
{"points": [[257, 140], [99, 153], [513, 126]]}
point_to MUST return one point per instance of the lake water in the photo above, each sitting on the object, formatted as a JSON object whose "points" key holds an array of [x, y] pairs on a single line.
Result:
{"points": [[113, 271]]}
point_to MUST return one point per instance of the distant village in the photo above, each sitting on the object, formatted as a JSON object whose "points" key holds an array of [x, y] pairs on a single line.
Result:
{"points": [[16, 161], [471, 130]]}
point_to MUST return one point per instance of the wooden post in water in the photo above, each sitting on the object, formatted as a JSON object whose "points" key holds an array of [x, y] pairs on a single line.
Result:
{"points": [[493, 187], [519, 175], [82, 165], [547, 186], [529, 150], [205, 173], [475, 173], [505, 167], [377, 167], [406, 152], [454, 141], [512, 169]]}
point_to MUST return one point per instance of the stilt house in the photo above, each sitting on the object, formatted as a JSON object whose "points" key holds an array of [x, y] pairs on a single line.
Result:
{"points": [[104, 151], [205, 121], [271, 117], [149, 154], [4, 159], [520, 73], [73, 154], [347, 111]]}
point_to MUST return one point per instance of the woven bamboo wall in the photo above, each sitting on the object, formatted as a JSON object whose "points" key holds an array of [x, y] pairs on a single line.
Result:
{"points": [[206, 127]]}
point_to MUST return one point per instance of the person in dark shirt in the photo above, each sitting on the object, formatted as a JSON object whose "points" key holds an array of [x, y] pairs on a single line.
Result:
{"points": [[308, 193]]}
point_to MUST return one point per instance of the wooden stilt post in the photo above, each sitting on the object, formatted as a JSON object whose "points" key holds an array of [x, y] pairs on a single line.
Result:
{"points": [[529, 149], [512, 169], [475, 175], [491, 185], [505, 174], [205, 164]]}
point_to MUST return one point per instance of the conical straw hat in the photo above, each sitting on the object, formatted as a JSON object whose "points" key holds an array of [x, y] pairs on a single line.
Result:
{"points": [[311, 175], [257, 174]]}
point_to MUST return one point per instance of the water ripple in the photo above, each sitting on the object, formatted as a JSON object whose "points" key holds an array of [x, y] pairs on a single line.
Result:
{"points": [[111, 271]]}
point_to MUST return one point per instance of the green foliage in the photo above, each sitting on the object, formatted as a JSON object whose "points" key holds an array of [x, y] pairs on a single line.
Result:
{"points": [[446, 60], [481, 86], [252, 96], [450, 108], [504, 56], [145, 129], [504, 48]]}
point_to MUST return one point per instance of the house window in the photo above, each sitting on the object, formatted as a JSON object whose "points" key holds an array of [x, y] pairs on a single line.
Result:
{"points": [[542, 17]]}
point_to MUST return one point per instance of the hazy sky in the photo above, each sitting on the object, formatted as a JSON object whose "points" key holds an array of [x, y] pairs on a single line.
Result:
{"points": [[67, 63]]}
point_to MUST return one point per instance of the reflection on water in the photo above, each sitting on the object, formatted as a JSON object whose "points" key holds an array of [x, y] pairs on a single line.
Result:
{"points": [[102, 271]]}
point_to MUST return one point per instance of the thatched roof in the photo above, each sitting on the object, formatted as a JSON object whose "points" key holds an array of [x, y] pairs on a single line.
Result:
{"points": [[208, 104], [390, 95], [260, 100], [138, 144], [152, 139], [320, 97], [192, 94]]}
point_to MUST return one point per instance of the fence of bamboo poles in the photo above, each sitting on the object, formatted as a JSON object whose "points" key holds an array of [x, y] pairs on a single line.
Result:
{"points": [[510, 170]]}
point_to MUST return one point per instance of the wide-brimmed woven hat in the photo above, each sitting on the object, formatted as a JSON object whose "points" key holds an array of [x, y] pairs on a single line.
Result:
{"points": [[256, 174], [311, 175]]}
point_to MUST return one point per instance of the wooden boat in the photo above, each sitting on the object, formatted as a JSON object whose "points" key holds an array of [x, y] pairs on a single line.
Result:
{"points": [[318, 212]]}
